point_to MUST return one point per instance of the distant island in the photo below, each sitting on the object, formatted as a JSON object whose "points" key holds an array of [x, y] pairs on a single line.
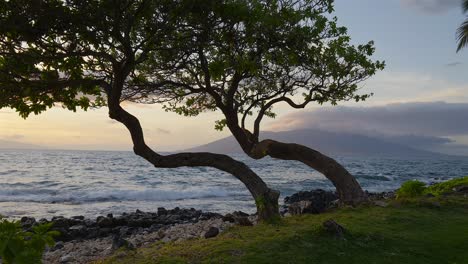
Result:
{"points": [[6, 144], [327, 142], [330, 143]]}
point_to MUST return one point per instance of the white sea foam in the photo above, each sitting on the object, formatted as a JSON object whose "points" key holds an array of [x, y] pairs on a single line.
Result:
{"points": [[89, 196]]}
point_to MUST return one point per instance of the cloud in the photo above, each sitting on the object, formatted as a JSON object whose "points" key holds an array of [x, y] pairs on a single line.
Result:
{"points": [[15, 137], [158, 131], [432, 6], [163, 131], [399, 87], [433, 119], [418, 141], [453, 64], [111, 122]]}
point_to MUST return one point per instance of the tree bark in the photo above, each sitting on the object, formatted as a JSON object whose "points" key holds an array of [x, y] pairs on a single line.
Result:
{"points": [[349, 190], [266, 199]]}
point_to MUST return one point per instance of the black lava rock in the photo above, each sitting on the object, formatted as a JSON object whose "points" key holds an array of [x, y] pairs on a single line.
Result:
{"points": [[212, 232], [314, 202]]}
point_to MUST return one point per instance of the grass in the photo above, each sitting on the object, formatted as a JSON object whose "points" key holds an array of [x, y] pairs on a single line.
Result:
{"points": [[407, 231], [446, 187], [411, 189]]}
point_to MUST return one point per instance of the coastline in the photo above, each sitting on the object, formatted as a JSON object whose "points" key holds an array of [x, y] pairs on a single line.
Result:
{"points": [[83, 240]]}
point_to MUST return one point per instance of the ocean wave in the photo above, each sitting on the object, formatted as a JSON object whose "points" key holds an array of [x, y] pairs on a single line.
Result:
{"points": [[372, 177], [90, 196], [7, 172]]}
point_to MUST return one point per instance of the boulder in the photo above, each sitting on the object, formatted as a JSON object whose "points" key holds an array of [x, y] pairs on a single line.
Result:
{"points": [[313, 202], [60, 222], [462, 189], [105, 222], [27, 222], [229, 218], [162, 211], [239, 218]]}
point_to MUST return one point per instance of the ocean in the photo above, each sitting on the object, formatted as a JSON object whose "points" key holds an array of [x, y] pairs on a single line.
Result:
{"points": [[47, 183]]}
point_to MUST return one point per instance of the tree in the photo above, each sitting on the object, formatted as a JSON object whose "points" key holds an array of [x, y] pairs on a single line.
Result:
{"points": [[246, 57], [462, 32], [84, 53]]}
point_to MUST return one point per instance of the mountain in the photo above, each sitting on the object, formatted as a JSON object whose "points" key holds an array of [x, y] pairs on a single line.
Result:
{"points": [[4, 144], [330, 143]]}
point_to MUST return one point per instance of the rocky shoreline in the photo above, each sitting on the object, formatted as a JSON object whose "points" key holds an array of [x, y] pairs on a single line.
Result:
{"points": [[84, 240]]}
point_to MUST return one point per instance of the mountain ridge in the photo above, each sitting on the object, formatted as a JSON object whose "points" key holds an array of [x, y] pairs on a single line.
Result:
{"points": [[327, 142]]}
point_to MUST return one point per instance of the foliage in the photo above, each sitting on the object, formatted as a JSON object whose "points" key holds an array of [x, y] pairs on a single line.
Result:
{"points": [[237, 56], [403, 234], [410, 189], [35, 72], [245, 57], [18, 246], [462, 32], [69, 52], [446, 187]]}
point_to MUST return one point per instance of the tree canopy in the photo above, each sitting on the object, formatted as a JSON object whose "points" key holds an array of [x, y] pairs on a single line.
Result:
{"points": [[69, 52], [244, 57]]}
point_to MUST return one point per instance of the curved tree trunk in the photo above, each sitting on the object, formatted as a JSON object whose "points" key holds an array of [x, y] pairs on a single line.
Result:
{"points": [[266, 199], [349, 190]]}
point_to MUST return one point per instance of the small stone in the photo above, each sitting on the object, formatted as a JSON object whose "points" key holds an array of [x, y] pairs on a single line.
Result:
{"points": [[78, 217], [66, 259], [78, 227], [381, 203], [119, 242], [212, 232], [302, 207], [58, 245], [334, 228]]}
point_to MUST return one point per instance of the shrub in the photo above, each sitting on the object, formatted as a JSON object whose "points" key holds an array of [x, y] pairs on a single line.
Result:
{"points": [[410, 189], [19, 246], [446, 187]]}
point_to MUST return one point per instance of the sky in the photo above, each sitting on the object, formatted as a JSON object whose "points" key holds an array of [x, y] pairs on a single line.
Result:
{"points": [[425, 81]]}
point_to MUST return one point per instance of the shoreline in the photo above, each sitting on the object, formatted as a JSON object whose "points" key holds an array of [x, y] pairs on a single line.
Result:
{"points": [[83, 240]]}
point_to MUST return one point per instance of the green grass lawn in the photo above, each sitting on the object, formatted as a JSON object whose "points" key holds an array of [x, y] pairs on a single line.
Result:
{"points": [[412, 232]]}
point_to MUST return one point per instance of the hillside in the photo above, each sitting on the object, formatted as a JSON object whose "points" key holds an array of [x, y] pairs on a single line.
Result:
{"points": [[330, 143]]}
